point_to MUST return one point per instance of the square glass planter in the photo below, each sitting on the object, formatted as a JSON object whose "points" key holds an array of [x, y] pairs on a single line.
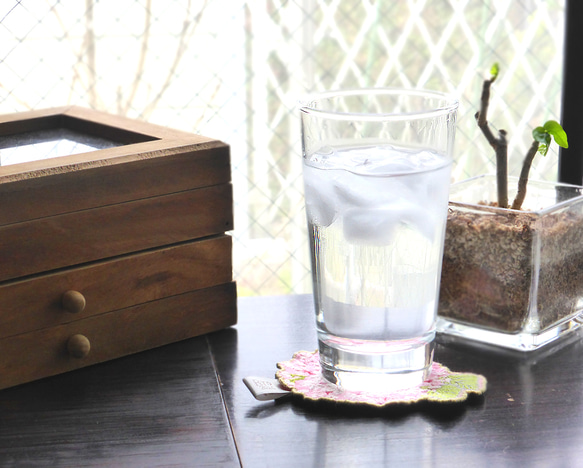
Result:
{"points": [[512, 278]]}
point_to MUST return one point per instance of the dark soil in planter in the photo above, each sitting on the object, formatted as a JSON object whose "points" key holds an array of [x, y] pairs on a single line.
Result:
{"points": [[490, 264]]}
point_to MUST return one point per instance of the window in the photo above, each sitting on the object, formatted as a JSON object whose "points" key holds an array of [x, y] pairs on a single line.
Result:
{"points": [[234, 73]]}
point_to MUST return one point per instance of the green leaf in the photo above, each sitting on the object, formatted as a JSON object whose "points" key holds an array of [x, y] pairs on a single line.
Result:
{"points": [[494, 70], [541, 135], [544, 138], [554, 128]]}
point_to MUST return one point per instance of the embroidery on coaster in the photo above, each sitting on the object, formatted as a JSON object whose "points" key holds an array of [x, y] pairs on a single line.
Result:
{"points": [[302, 376]]}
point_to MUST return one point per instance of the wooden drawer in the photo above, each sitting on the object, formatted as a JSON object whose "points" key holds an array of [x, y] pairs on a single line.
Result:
{"points": [[74, 238], [114, 284], [45, 352]]}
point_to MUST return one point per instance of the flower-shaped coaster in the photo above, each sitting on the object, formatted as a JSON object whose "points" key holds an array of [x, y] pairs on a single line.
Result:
{"points": [[302, 375]]}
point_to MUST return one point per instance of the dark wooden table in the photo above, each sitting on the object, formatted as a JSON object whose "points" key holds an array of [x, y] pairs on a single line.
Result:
{"points": [[185, 405]]}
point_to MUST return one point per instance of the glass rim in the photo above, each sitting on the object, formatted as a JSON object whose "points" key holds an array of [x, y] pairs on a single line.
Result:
{"points": [[450, 104]]}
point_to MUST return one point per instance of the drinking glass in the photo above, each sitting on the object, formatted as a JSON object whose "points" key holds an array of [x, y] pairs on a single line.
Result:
{"points": [[376, 165]]}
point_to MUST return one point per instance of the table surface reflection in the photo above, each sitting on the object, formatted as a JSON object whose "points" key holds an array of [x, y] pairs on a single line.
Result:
{"points": [[185, 405]]}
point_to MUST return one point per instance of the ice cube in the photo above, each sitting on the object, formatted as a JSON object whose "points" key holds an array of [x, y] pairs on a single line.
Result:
{"points": [[320, 196], [373, 226], [355, 191], [421, 220], [364, 184], [378, 226]]}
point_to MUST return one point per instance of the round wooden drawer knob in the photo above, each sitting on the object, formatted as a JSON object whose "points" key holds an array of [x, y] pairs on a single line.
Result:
{"points": [[73, 301], [78, 346]]}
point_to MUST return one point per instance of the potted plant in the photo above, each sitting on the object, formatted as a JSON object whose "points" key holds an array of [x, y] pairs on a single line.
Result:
{"points": [[512, 274]]}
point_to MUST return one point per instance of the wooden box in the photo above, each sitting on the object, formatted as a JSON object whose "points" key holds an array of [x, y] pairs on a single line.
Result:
{"points": [[112, 244]]}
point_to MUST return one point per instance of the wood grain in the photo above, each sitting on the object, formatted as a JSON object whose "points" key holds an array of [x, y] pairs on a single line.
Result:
{"points": [[43, 353], [71, 239], [114, 227], [532, 413], [115, 284], [151, 160], [165, 407], [137, 140], [158, 171], [158, 408]]}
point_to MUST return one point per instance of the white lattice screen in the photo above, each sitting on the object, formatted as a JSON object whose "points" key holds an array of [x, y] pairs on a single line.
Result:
{"points": [[233, 70]]}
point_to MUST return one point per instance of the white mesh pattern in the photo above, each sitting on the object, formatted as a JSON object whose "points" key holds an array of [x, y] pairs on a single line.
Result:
{"points": [[233, 70]]}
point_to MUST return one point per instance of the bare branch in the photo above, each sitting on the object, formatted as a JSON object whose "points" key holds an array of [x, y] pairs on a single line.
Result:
{"points": [[523, 180], [501, 149], [482, 116], [499, 144]]}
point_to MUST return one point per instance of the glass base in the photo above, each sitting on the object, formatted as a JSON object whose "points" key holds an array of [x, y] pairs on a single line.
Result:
{"points": [[358, 365], [522, 341]]}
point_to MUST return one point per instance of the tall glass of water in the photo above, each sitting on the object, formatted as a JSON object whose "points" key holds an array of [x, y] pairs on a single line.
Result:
{"points": [[376, 166]]}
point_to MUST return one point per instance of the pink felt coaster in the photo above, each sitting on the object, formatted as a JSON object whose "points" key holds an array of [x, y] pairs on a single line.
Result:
{"points": [[301, 374]]}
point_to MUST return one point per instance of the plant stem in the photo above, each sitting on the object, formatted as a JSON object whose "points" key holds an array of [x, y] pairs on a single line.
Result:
{"points": [[523, 180], [499, 144], [502, 168]]}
